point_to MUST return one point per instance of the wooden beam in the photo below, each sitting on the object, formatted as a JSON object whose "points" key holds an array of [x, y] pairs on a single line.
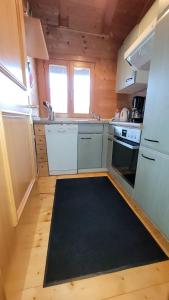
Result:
{"points": [[63, 14]]}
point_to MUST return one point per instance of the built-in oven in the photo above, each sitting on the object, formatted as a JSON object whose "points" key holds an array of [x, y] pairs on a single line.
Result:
{"points": [[126, 142]]}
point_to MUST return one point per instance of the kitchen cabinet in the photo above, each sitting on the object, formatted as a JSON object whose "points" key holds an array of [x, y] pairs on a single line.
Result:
{"points": [[127, 80], [124, 71], [89, 151], [156, 113], [35, 40], [90, 128], [163, 5], [151, 187], [12, 36], [149, 17], [41, 150]]}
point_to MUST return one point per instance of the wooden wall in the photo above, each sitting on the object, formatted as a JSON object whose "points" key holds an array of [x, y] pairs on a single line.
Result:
{"points": [[76, 46]]}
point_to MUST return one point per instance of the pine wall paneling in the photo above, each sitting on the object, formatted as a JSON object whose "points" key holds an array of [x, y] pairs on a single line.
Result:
{"points": [[67, 45]]}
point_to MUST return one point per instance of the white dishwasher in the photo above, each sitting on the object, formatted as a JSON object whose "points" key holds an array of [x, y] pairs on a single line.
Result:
{"points": [[61, 142]]}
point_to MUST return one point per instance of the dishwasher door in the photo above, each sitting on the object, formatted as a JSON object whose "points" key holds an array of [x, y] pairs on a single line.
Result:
{"points": [[61, 143]]}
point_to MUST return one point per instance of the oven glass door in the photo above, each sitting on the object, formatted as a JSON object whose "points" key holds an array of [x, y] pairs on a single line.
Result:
{"points": [[124, 159]]}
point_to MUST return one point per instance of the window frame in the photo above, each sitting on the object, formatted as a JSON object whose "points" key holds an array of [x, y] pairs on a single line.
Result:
{"points": [[70, 86]]}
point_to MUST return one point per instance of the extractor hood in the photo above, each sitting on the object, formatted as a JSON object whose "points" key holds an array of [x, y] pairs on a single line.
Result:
{"points": [[139, 54]]}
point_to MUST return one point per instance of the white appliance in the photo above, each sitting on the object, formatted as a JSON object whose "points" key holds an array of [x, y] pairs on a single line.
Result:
{"points": [[124, 114], [61, 142], [126, 143], [139, 53]]}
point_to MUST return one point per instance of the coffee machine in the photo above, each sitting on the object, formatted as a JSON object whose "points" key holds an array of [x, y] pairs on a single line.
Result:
{"points": [[137, 111]]}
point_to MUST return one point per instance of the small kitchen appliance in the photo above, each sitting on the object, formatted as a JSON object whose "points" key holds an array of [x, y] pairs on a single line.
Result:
{"points": [[124, 114], [137, 111]]}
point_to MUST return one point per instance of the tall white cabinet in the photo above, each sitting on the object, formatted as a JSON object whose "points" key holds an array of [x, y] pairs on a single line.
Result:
{"points": [[152, 187], [156, 113], [152, 178]]}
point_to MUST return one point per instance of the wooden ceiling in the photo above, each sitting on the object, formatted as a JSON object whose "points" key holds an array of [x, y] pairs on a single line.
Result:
{"points": [[113, 17]]}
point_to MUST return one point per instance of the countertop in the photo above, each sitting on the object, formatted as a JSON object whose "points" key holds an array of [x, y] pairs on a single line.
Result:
{"points": [[38, 120], [69, 121]]}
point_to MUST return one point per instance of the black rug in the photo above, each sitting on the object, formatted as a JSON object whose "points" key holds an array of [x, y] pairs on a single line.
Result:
{"points": [[94, 231]]}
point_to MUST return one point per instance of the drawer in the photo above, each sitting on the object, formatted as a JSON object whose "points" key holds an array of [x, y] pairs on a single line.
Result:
{"points": [[41, 148], [39, 129], [43, 169], [90, 128], [42, 157], [40, 139]]}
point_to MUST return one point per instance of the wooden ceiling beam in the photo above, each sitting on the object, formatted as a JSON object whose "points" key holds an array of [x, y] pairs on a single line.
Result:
{"points": [[63, 13]]}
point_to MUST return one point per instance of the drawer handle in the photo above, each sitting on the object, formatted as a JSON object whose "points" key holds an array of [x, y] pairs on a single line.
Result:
{"points": [[61, 131], [149, 158], [89, 138], [153, 141]]}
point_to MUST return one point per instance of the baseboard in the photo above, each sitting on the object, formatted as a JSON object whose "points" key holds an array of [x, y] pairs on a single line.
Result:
{"points": [[51, 173], [25, 198], [92, 170]]}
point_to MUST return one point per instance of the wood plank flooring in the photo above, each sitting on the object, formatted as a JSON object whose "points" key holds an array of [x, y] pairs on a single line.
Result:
{"points": [[24, 278]]}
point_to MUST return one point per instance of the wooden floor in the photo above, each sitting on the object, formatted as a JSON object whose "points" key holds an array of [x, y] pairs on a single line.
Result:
{"points": [[25, 274]]}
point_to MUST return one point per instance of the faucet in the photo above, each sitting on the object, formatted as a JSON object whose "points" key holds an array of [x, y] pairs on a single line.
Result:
{"points": [[51, 114], [95, 116]]}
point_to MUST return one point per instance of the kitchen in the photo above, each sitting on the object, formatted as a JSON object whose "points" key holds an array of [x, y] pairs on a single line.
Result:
{"points": [[83, 103]]}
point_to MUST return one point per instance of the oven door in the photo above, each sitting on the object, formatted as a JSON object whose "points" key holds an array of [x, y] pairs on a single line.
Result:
{"points": [[124, 158]]}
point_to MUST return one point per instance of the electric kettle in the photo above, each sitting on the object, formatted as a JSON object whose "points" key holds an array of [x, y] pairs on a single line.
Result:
{"points": [[124, 114]]}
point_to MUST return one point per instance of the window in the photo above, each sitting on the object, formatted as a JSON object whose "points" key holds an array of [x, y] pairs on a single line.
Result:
{"points": [[70, 87], [81, 79], [58, 88]]}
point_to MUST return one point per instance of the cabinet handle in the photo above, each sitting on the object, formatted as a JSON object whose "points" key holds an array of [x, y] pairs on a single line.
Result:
{"points": [[128, 79], [87, 138], [153, 141], [110, 140], [149, 158]]}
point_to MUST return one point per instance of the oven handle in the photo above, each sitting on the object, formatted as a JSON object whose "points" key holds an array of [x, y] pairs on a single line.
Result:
{"points": [[126, 144]]}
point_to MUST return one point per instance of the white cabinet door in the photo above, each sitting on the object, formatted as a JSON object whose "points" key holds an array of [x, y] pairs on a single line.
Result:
{"points": [[152, 187], [156, 115]]}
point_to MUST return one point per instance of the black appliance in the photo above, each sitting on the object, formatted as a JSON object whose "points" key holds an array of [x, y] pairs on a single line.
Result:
{"points": [[126, 142], [137, 111]]}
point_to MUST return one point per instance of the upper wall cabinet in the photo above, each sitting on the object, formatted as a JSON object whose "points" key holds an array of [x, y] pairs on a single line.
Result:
{"points": [[12, 50], [124, 71], [150, 16], [163, 4], [35, 41], [128, 81]]}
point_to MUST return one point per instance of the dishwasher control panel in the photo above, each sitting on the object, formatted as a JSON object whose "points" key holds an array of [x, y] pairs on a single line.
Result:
{"points": [[61, 128]]}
